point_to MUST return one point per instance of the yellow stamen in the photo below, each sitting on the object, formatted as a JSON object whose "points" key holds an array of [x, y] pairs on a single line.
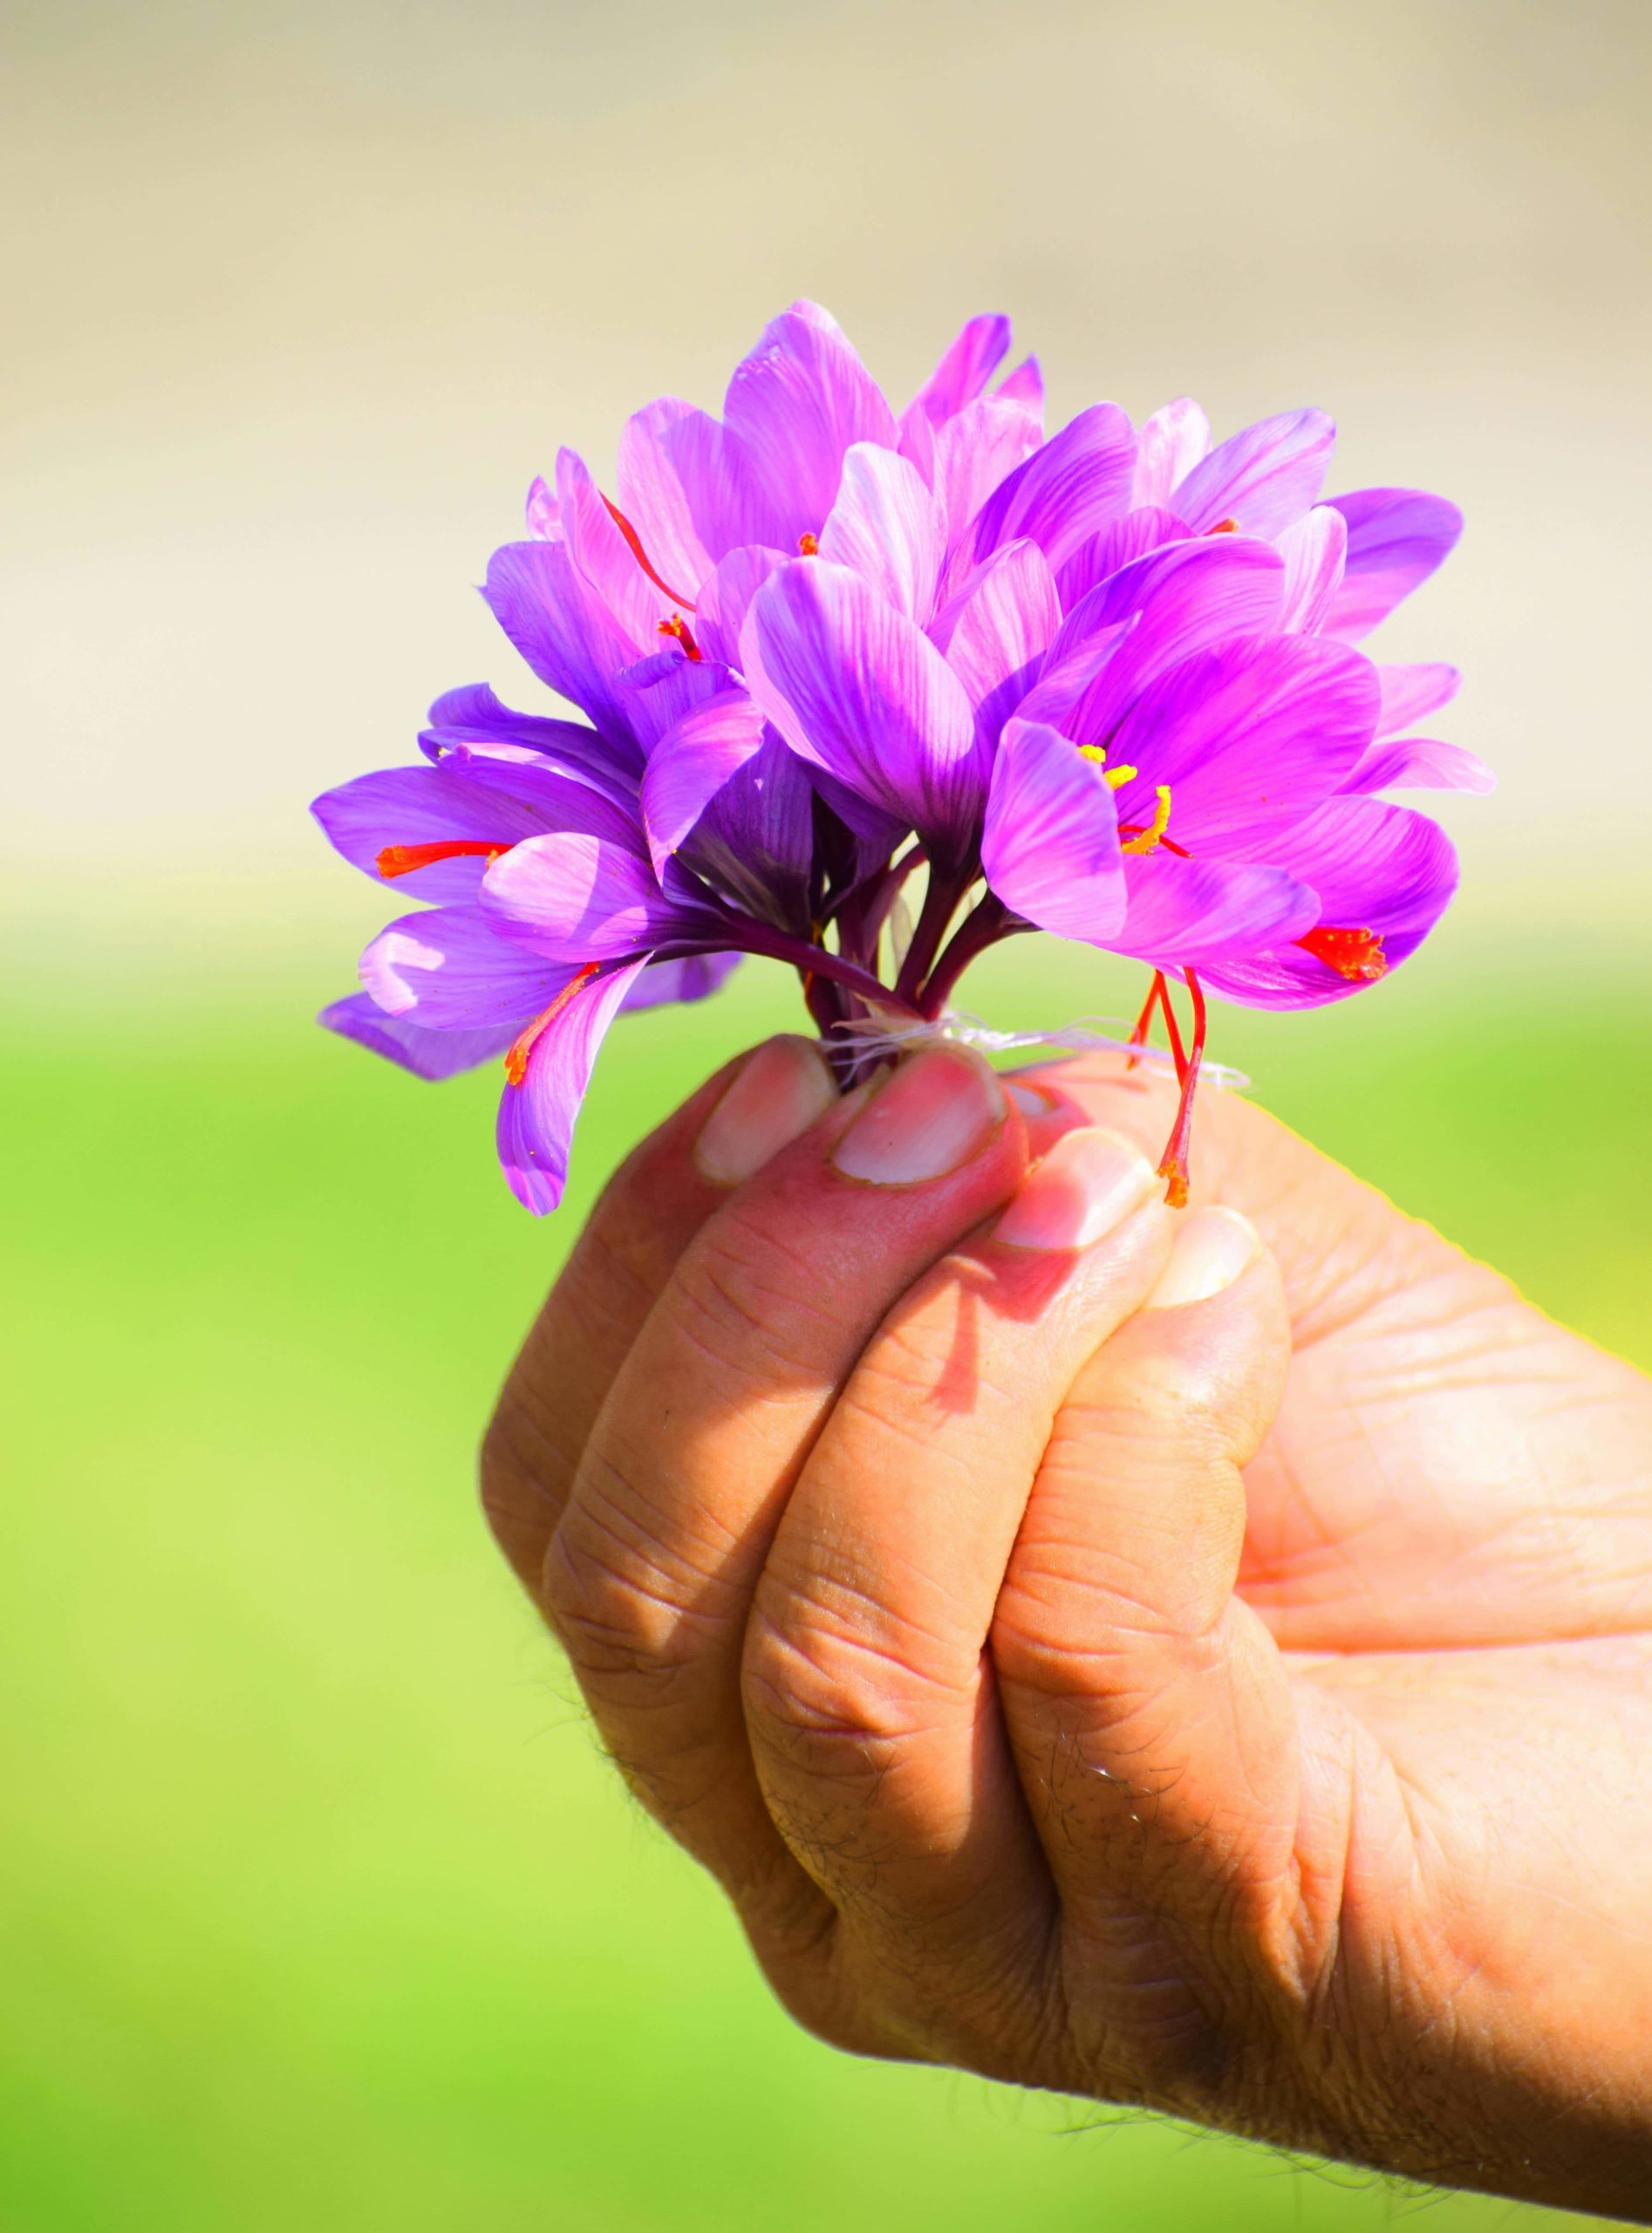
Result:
{"points": [[1148, 841], [1115, 776]]}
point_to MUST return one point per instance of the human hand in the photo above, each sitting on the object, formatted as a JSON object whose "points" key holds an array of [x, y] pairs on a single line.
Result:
{"points": [[912, 1578]]}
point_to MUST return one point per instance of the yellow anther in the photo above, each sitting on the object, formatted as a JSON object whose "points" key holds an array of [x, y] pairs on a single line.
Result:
{"points": [[1148, 841], [1115, 776]]}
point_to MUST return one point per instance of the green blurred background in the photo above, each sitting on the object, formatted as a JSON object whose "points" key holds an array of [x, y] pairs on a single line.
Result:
{"points": [[320, 1909]]}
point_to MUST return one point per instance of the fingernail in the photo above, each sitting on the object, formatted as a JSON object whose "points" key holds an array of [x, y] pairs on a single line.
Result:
{"points": [[936, 1112], [1088, 1183], [1031, 1100], [781, 1091], [1211, 1248]]}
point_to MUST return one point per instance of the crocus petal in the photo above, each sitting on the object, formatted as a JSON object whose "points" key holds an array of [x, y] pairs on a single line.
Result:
{"points": [[450, 970], [1181, 598], [659, 692], [575, 898], [541, 512], [725, 598], [1187, 914], [853, 687], [1396, 539], [1372, 867], [886, 526], [1070, 486], [664, 983], [473, 720], [655, 443], [691, 491], [1118, 545], [1050, 847], [603, 557], [1249, 733], [1169, 445], [996, 631], [693, 760], [1409, 692], [1263, 477], [963, 372], [796, 404], [755, 842], [973, 453], [1314, 548], [566, 633], [428, 1053], [537, 1117], [469, 799], [1025, 384], [1417, 763]]}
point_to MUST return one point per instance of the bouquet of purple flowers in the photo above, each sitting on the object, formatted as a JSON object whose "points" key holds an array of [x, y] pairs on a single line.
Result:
{"points": [[1102, 685]]}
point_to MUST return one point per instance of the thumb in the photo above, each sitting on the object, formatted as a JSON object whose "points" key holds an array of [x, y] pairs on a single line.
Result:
{"points": [[1149, 1707]]}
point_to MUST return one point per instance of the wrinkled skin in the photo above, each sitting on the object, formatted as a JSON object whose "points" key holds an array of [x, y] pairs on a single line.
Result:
{"points": [[1239, 1709]]}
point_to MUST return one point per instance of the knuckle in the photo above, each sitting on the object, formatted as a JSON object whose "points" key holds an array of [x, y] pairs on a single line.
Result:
{"points": [[742, 1296], [835, 1704], [629, 1627]]}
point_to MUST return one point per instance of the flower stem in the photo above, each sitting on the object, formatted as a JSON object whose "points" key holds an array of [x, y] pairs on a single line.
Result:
{"points": [[988, 922], [940, 904]]}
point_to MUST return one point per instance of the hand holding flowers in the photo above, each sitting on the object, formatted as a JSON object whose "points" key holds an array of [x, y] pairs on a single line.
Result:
{"points": [[1197, 1662]]}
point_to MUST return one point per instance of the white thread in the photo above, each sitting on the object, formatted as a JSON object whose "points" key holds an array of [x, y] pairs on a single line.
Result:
{"points": [[896, 1035]]}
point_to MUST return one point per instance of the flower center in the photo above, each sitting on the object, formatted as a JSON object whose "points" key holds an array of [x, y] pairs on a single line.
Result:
{"points": [[402, 860], [1356, 955], [809, 546], [1224, 527], [678, 627], [522, 1045], [1132, 839]]}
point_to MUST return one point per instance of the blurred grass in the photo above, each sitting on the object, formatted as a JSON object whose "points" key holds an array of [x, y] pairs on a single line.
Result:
{"points": [[323, 1912]]}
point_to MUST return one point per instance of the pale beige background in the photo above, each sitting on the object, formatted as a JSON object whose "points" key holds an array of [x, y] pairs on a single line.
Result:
{"points": [[299, 295]]}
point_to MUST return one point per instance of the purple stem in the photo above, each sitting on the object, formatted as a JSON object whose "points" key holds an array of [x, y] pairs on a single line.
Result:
{"points": [[984, 927]]}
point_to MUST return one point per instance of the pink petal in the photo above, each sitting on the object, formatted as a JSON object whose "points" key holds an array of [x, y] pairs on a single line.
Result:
{"points": [[1372, 867], [691, 764], [1190, 913], [1050, 847], [1263, 477], [796, 404], [1249, 733], [1314, 550], [996, 631], [1396, 539], [854, 687], [1070, 486], [470, 799], [1418, 764], [885, 525], [536, 1118], [449, 970], [432, 1055], [1169, 446], [1409, 692], [963, 372]]}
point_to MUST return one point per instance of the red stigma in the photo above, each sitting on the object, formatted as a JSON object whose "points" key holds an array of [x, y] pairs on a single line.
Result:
{"points": [[809, 546], [401, 860], [1356, 955], [1224, 527], [522, 1045], [641, 555], [678, 627]]}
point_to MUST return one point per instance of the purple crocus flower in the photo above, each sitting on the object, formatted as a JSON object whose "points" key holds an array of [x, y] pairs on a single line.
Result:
{"points": [[551, 912], [1110, 677]]}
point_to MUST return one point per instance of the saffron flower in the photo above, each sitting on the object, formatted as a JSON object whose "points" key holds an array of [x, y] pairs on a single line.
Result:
{"points": [[1105, 684]]}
